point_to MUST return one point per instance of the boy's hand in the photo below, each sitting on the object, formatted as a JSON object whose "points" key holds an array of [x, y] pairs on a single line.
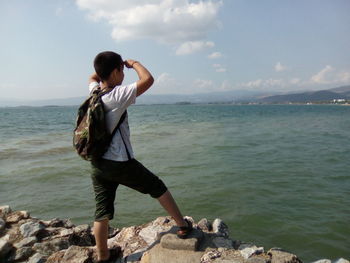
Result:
{"points": [[129, 63]]}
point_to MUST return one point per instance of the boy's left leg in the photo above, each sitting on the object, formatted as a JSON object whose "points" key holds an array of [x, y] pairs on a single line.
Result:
{"points": [[101, 236]]}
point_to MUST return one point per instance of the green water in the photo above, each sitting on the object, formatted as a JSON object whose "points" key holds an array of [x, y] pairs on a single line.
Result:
{"points": [[277, 175]]}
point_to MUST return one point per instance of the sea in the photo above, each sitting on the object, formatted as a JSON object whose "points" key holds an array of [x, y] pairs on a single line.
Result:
{"points": [[277, 175]]}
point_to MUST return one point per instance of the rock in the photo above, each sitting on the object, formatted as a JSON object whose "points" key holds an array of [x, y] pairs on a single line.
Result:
{"points": [[219, 227], [134, 257], [4, 211], [66, 232], [2, 225], [31, 228], [128, 240], [150, 233], [56, 222], [158, 254], [222, 242], [16, 216], [48, 247], [56, 257], [21, 254], [342, 260], [278, 255], [205, 225], [248, 250], [82, 236], [36, 258], [258, 259], [323, 261], [112, 232], [210, 255], [171, 241], [5, 247], [28, 241], [229, 255], [76, 254]]}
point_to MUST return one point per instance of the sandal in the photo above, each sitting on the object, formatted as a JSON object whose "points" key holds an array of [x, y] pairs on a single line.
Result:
{"points": [[184, 231]]}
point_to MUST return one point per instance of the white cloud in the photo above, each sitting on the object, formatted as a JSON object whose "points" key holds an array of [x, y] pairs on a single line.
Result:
{"points": [[322, 77], [202, 85], [219, 68], [193, 46], [343, 77], [264, 84], [165, 83], [279, 67], [329, 75], [164, 78], [295, 81], [166, 21], [215, 55]]}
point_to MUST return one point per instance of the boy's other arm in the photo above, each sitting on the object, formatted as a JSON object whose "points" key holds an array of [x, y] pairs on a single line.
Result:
{"points": [[145, 78]]}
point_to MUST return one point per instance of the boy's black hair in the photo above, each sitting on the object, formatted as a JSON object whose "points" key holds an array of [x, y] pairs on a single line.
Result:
{"points": [[105, 62]]}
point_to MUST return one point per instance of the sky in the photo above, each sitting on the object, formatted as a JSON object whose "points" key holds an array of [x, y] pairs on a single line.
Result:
{"points": [[48, 47]]}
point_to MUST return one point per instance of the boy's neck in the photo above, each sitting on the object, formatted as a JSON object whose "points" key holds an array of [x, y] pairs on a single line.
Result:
{"points": [[107, 85]]}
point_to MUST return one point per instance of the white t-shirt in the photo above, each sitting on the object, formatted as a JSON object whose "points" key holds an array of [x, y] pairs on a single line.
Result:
{"points": [[115, 103]]}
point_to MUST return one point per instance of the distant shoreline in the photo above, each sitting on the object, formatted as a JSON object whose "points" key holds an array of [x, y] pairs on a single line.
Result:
{"points": [[193, 103]]}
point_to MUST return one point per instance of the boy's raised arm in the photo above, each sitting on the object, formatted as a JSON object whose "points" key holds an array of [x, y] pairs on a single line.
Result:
{"points": [[94, 78], [145, 78]]}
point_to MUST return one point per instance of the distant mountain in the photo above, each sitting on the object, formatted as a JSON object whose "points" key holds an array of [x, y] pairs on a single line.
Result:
{"points": [[212, 97], [312, 96], [225, 96], [38, 103]]}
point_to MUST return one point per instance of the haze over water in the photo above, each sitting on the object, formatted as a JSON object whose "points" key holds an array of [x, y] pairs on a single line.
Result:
{"points": [[277, 175]]}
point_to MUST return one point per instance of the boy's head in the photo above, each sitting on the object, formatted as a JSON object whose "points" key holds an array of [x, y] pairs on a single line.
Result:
{"points": [[107, 61]]}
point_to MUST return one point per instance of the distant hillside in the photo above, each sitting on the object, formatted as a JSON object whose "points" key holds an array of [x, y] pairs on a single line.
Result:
{"points": [[312, 96], [212, 97], [224, 96]]}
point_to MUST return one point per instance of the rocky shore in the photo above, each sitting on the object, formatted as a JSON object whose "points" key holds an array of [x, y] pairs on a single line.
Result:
{"points": [[27, 239]]}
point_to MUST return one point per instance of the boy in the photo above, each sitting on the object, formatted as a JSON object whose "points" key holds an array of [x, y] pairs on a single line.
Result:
{"points": [[118, 166]]}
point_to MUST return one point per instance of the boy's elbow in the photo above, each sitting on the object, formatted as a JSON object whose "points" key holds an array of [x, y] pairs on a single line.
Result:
{"points": [[151, 80]]}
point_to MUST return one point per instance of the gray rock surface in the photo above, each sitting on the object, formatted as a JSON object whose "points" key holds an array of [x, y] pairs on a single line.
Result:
{"points": [[49, 247], [323, 261], [5, 247], [28, 241], [4, 211], [220, 227], [2, 225], [342, 260], [17, 216], [37, 258], [76, 254], [278, 255], [31, 228], [171, 241], [247, 250], [205, 225], [22, 254], [223, 242]]}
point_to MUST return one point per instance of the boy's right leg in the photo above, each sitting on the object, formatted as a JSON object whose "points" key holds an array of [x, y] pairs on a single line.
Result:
{"points": [[169, 204]]}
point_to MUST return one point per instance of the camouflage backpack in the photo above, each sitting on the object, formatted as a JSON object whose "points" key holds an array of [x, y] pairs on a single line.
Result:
{"points": [[91, 138]]}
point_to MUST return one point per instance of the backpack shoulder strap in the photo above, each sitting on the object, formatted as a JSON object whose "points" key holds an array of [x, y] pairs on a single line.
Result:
{"points": [[122, 118]]}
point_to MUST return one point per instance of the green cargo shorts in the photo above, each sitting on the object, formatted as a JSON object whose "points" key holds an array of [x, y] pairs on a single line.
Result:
{"points": [[107, 175]]}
